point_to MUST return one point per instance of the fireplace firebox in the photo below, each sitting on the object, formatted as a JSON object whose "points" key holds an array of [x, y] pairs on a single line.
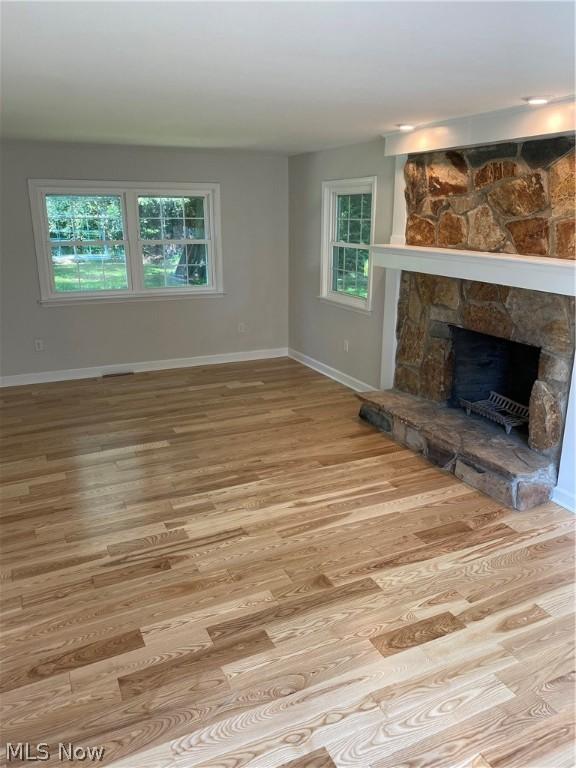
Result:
{"points": [[493, 377]]}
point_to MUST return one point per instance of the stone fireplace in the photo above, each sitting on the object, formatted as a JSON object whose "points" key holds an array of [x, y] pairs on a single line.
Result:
{"points": [[459, 339]]}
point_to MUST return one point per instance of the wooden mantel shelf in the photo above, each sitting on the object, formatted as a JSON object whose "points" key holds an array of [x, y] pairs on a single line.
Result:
{"points": [[535, 272]]}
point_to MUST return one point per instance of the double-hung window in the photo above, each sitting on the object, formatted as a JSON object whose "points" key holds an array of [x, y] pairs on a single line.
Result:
{"points": [[347, 231], [97, 240]]}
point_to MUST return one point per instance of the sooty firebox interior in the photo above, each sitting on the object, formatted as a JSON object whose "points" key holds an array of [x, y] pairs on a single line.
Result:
{"points": [[485, 363]]}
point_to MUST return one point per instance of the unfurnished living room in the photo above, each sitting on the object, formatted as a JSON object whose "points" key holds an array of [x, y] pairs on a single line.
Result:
{"points": [[287, 397]]}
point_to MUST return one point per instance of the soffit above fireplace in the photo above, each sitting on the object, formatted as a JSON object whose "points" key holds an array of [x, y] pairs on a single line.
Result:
{"points": [[510, 124], [539, 273]]}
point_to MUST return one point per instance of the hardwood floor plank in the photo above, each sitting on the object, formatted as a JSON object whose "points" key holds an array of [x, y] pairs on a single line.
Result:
{"points": [[127, 547], [137, 571], [298, 606], [216, 656], [317, 759], [436, 714], [459, 744], [79, 657], [416, 634], [530, 748], [511, 597], [26, 571]]}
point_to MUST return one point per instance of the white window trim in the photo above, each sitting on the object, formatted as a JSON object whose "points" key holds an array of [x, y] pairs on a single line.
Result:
{"points": [[330, 189], [129, 192]]}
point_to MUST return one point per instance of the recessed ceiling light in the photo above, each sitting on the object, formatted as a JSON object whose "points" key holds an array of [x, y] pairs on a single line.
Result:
{"points": [[405, 127], [535, 101]]}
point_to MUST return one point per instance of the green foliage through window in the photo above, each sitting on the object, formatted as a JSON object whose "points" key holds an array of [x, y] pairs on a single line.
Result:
{"points": [[350, 271], [353, 226], [84, 217], [172, 266], [354, 218], [171, 218], [178, 263], [86, 235], [99, 264], [126, 240]]}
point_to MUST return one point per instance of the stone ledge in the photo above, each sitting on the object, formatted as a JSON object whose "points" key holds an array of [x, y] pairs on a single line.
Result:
{"points": [[476, 451]]}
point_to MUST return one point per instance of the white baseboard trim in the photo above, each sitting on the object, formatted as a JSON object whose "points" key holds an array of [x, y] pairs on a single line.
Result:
{"points": [[332, 373], [565, 497], [149, 365]]}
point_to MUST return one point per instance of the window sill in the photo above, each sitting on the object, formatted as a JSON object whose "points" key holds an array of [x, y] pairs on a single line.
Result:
{"points": [[361, 308], [56, 301]]}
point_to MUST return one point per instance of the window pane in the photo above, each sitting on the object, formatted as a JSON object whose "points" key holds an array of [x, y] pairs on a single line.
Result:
{"points": [[338, 258], [343, 206], [365, 231], [161, 266], [355, 206], [350, 282], [366, 205], [61, 228], [338, 280], [353, 218], [363, 261], [354, 231], [362, 286], [196, 255], [174, 266], [149, 207], [197, 275], [151, 229], [350, 271], [89, 228], [350, 259], [89, 268], [172, 207], [84, 217], [194, 207], [171, 218], [194, 229], [173, 229]]}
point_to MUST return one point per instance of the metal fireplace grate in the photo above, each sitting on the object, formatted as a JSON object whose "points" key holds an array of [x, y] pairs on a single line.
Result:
{"points": [[498, 408]]}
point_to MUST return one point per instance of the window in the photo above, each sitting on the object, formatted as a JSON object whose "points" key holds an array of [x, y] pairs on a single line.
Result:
{"points": [[86, 241], [98, 240], [347, 230], [174, 246]]}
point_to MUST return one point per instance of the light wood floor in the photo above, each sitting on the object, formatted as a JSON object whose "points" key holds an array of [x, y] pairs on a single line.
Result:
{"points": [[223, 567]]}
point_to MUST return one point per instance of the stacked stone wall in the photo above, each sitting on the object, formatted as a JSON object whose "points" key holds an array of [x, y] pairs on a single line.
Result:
{"points": [[508, 198]]}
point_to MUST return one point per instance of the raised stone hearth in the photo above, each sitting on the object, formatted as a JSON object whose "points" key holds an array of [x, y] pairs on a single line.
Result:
{"points": [[477, 452]]}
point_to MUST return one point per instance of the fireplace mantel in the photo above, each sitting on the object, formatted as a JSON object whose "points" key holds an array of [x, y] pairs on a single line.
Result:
{"points": [[534, 272]]}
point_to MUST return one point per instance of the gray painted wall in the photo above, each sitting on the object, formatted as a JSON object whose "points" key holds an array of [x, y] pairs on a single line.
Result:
{"points": [[258, 275], [254, 190], [318, 328]]}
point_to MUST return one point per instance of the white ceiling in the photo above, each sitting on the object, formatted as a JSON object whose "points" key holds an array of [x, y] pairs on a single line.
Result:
{"points": [[288, 77]]}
